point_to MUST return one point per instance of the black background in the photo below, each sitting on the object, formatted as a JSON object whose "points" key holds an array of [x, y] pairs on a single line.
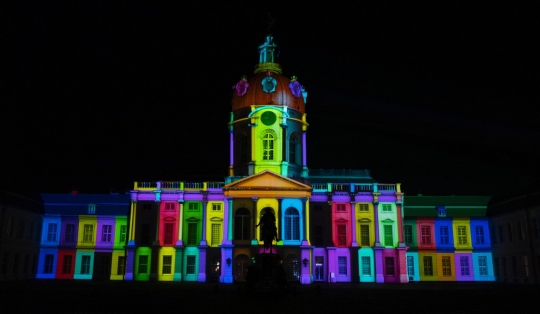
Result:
{"points": [[440, 96]]}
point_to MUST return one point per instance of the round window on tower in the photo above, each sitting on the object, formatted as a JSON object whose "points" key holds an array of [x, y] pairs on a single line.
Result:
{"points": [[268, 118]]}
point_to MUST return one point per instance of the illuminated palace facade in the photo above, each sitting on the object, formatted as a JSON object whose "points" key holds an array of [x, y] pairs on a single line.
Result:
{"points": [[332, 226]]}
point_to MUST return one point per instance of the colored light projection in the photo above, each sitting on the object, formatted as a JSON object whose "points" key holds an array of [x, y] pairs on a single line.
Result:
{"points": [[331, 225]]}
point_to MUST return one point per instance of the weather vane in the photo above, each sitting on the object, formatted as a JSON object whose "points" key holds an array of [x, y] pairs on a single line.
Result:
{"points": [[271, 21]]}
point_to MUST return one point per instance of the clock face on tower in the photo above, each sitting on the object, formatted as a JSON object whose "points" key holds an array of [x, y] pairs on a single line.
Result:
{"points": [[268, 118]]}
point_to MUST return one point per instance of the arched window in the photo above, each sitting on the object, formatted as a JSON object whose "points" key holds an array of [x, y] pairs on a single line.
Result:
{"points": [[242, 224], [294, 148], [292, 224], [268, 138]]}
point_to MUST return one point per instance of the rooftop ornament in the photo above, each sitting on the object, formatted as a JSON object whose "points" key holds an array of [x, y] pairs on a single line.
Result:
{"points": [[242, 86]]}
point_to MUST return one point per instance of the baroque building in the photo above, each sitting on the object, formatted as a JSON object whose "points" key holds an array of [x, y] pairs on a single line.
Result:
{"points": [[311, 225], [332, 226]]}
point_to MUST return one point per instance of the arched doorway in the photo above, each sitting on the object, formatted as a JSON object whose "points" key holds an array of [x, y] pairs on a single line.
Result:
{"points": [[241, 264]]}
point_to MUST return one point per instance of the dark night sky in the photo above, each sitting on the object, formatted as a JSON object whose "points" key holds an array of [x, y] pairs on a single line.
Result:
{"points": [[440, 96]]}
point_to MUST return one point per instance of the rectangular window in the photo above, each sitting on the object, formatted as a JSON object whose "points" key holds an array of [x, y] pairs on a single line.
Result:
{"points": [[26, 264], [190, 265], [192, 233], [464, 265], [85, 264], [482, 265], [366, 266], [446, 266], [47, 266], [496, 266], [504, 269], [70, 233], [386, 207], [364, 235], [145, 234], [340, 207], [106, 233], [342, 265], [147, 206], [510, 227], [407, 234], [193, 206], [462, 235], [521, 231], [216, 207], [169, 206], [317, 208], [20, 229], [123, 232], [443, 235], [16, 263], [91, 208], [167, 264], [428, 266], [363, 207], [493, 235], [67, 264], [143, 264], [5, 263], [168, 233], [52, 231], [410, 265], [388, 236], [426, 235], [31, 229], [120, 269], [501, 234], [526, 265], [216, 234], [479, 233], [389, 265], [88, 233], [342, 235]]}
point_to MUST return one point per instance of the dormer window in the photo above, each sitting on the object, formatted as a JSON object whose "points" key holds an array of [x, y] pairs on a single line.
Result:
{"points": [[91, 208], [441, 211]]}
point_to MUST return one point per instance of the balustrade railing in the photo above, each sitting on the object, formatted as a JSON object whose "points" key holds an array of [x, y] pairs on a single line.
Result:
{"points": [[363, 187], [170, 185], [215, 185], [341, 187], [319, 186], [387, 187], [146, 185], [193, 185]]}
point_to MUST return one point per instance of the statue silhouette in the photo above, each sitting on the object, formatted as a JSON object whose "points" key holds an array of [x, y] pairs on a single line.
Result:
{"points": [[268, 229]]}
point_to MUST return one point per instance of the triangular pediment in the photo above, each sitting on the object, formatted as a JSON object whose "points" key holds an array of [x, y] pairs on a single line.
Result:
{"points": [[267, 180]]}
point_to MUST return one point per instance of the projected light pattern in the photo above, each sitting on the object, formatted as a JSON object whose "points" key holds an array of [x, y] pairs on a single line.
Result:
{"points": [[331, 225]]}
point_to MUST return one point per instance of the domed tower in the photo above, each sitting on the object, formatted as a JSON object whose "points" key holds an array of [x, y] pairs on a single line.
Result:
{"points": [[268, 121]]}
